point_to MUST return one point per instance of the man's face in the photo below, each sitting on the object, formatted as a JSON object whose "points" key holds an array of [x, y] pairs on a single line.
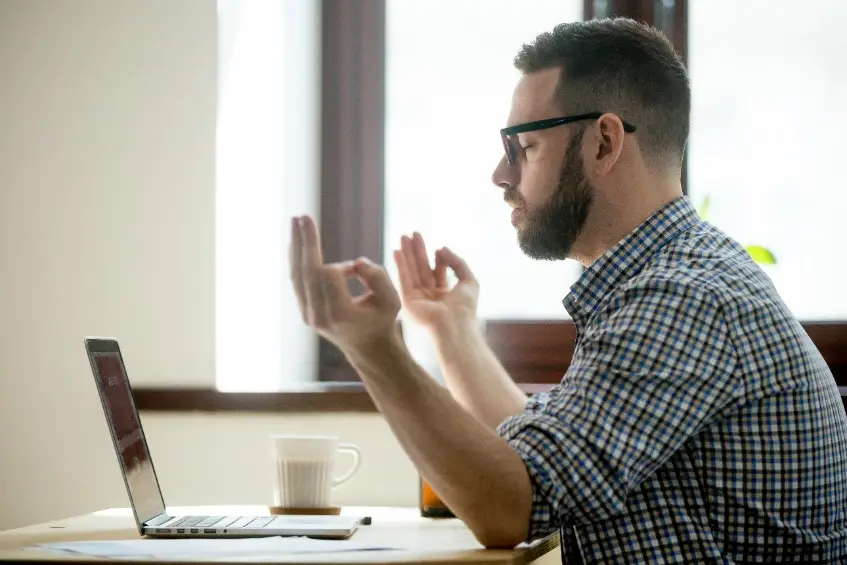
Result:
{"points": [[546, 186]]}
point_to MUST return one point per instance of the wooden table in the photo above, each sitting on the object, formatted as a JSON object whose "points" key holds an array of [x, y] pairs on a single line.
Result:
{"points": [[431, 541]]}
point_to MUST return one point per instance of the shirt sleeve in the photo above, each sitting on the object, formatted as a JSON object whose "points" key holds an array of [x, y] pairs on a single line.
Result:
{"points": [[538, 401], [654, 366]]}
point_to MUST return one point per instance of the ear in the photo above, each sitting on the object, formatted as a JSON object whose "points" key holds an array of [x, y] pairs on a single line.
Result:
{"points": [[607, 143]]}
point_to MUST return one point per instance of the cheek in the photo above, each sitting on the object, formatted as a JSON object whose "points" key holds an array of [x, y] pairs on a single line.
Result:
{"points": [[537, 184]]}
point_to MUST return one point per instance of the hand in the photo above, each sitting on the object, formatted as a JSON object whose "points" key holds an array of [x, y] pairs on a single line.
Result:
{"points": [[424, 291], [325, 302]]}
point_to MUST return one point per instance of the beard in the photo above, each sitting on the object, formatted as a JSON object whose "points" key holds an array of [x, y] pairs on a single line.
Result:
{"points": [[550, 231]]}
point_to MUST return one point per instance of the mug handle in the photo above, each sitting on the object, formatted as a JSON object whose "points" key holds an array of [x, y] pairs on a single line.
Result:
{"points": [[357, 457]]}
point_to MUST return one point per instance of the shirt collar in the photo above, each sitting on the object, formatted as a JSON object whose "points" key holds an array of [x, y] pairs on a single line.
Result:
{"points": [[628, 257]]}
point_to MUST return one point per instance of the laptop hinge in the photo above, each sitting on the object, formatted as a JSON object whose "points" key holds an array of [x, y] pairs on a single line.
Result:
{"points": [[158, 520]]}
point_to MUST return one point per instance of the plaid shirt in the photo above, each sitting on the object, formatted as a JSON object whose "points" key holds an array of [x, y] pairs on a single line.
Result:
{"points": [[697, 422]]}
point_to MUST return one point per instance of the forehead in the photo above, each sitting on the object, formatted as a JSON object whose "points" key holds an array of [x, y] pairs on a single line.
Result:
{"points": [[535, 97]]}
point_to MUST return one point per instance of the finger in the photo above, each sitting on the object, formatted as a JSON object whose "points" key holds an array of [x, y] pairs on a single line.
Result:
{"points": [[411, 265], [458, 265], [440, 271], [422, 260], [311, 248], [295, 268], [378, 282], [311, 260], [336, 297], [406, 284], [345, 268]]}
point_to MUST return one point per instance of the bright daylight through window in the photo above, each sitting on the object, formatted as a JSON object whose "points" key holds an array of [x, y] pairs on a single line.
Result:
{"points": [[764, 153], [447, 98], [766, 145], [267, 152]]}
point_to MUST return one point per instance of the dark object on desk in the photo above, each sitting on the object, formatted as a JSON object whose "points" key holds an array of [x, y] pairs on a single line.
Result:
{"points": [[430, 504]]}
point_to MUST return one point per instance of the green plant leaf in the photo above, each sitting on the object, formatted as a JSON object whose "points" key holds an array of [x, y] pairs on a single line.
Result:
{"points": [[761, 254], [703, 210]]}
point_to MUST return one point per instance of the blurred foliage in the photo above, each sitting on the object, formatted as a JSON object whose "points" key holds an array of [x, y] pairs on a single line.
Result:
{"points": [[759, 253]]}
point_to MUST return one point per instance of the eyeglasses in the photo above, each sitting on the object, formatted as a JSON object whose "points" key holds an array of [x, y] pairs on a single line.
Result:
{"points": [[509, 135]]}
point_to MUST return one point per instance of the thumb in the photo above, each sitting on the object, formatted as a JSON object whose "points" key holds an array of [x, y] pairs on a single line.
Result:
{"points": [[376, 278], [457, 264]]}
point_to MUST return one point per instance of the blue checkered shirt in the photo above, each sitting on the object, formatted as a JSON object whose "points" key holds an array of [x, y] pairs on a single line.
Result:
{"points": [[697, 422]]}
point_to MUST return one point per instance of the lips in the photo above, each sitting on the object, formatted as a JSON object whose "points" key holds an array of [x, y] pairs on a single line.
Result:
{"points": [[517, 210], [517, 215]]}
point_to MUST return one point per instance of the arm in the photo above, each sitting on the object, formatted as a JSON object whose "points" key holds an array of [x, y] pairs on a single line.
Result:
{"points": [[475, 471], [475, 376]]}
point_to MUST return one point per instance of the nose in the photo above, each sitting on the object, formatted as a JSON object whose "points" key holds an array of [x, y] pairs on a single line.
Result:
{"points": [[505, 176]]}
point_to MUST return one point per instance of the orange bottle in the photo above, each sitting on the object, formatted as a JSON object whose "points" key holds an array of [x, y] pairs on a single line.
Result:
{"points": [[431, 506]]}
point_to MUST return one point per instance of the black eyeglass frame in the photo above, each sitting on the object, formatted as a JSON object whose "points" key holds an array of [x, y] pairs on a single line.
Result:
{"points": [[505, 133]]}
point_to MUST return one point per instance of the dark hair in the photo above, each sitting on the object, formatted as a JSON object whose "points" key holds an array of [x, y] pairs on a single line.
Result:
{"points": [[623, 66]]}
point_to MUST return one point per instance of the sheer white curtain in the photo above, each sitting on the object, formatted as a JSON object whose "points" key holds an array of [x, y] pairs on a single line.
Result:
{"points": [[450, 78], [267, 170], [769, 80]]}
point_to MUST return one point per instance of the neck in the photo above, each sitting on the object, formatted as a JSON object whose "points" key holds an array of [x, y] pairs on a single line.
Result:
{"points": [[612, 219]]}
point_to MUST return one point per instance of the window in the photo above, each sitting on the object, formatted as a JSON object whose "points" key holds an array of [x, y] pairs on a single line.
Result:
{"points": [[342, 108], [446, 100], [766, 145], [267, 160]]}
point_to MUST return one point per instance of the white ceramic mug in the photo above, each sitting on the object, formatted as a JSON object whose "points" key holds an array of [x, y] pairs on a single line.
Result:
{"points": [[304, 469]]}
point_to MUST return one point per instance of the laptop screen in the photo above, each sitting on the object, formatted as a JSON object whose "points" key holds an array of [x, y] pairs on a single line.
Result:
{"points": [[127, 434]]}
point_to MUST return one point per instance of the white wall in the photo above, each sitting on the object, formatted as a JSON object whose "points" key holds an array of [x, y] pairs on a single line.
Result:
{"points": [[107, 140]]}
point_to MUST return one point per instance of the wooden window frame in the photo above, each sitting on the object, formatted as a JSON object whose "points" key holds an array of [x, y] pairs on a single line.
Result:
{"points": [[535, 352]]}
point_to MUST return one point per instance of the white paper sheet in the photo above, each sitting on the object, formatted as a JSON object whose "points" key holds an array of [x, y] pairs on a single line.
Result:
{"points": [[205, 548]]}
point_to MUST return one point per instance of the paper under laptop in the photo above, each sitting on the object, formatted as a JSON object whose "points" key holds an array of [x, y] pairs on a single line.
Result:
{"points": [[142, 485], [197, 549]]}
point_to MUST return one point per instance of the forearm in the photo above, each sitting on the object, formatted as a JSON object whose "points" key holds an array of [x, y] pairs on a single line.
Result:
{"points": [[475, 471], [475, 376]]}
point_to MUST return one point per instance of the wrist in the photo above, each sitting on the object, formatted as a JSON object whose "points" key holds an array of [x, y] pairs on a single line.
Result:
{"points": [[458, 336], [375, 350]]}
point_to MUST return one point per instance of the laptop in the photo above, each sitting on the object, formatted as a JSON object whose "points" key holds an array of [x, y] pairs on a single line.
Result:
{"points": [[145, 496]]}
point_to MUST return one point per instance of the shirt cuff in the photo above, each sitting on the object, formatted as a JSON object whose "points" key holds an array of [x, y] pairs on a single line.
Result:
{"points": [[546, 514], [537, 402]]}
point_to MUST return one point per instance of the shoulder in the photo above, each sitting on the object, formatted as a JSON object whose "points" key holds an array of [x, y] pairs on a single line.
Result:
{"points": [[660, 321], [662, 296], [703, 272]]}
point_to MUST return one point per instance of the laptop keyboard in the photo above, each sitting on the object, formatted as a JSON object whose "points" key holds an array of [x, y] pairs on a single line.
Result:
{"points": [[220, 522]]}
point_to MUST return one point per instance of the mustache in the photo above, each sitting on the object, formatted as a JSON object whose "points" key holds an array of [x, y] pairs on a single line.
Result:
{"points": [[512, 198]]}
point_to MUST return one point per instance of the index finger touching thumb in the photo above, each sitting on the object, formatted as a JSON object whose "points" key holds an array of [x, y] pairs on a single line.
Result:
{"points": [[457, 264], [375, 276]]}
